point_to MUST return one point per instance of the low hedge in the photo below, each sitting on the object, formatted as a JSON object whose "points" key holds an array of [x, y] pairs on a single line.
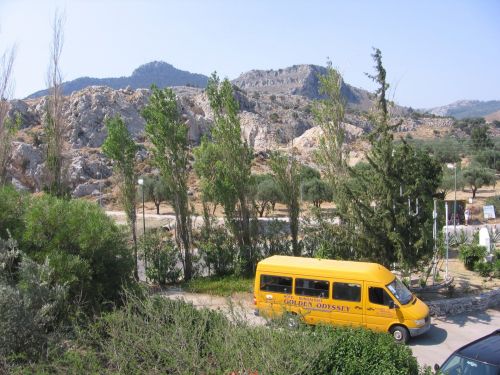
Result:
{"points": [[161, 336]]}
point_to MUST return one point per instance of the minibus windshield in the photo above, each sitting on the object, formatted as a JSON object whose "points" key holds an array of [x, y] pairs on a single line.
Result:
{"points": [[400, 291]]}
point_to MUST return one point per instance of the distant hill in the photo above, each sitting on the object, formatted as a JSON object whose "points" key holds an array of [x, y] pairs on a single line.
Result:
{"points": [[495, 116], [158, 72], [467, 108], [298, 80]]}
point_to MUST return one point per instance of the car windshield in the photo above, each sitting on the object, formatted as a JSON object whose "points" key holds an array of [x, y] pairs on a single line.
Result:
{"points": [[400, 291], [457, 364]]}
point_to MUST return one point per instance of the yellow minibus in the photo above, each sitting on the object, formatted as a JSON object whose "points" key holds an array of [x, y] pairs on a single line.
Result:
{"points": [[341, 293]]}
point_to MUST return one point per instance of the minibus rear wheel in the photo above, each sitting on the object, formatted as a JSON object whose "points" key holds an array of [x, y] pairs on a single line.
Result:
{"points": [[400, 334]]}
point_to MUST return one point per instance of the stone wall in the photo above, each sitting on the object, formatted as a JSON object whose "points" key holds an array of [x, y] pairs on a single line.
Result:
{"points": [[456, 306]]}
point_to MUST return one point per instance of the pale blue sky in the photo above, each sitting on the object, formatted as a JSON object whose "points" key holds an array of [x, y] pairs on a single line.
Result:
{"points": [[435, 52]]}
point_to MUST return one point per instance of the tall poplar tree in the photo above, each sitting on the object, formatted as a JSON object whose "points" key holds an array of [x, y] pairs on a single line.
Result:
{"points": [[7, 126], [223, 164], [286, 172], [121, 148], [56, 182], [169, 137]]}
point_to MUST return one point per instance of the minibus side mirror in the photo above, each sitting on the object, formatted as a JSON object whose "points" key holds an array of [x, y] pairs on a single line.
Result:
{"points": [[392, 305], [436, 367]]}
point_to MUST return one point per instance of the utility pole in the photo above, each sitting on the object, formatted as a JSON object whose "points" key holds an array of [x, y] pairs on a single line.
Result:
{"points": [[446, 236], [455, 204]]}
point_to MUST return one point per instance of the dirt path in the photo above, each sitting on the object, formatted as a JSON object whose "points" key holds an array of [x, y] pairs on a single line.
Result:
{"points": [[238, 306]]}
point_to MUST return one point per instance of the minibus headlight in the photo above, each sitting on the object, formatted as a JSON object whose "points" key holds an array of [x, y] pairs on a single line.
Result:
{"points": [[420, 322]]}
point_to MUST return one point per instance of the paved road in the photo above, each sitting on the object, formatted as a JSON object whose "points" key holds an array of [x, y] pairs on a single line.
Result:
{"points": [[448, 334], [445, 336]]}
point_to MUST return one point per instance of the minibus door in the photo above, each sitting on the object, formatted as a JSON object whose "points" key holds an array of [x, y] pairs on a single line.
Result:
{"points": [[381, 310]]}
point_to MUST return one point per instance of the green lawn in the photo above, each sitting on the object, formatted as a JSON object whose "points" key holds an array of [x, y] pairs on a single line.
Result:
{"points": [[219, 285]]}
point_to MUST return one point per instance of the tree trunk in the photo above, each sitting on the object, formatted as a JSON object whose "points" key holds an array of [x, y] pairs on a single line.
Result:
{"points": [[294, 227], [183, 231], [157, 204], [134, 237], [246, 239], [474, 189], [262, 208]]}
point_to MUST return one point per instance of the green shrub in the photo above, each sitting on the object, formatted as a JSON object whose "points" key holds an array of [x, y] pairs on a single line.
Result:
{"points": [[218, 252], [164, 336], [274, 117], [360, 351], [471, 254], [273, 239], [31, 310], [12, 206], [161, 256], [496, 268], [483, 268], [87, 251]]}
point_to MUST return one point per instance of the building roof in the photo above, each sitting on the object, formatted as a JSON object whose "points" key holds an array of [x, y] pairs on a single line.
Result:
{"points": [[327, 267]]}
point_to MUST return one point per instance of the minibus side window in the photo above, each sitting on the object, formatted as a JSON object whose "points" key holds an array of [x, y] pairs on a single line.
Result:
{"points": [[379, 296], [313, 288], [347, 292], [277, 284]]}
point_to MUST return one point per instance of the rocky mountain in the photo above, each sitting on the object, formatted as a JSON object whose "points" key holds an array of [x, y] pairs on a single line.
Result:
{"points": [[157, 72], [268, 122], [298, 80], [467, 108]]}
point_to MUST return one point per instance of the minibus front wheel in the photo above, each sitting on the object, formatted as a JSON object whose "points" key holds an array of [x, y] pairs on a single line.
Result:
{"points": [[400, 334]]}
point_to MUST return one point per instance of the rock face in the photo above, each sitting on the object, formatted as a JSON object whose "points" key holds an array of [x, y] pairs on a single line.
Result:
{"points": [[298, 80], [157, 72]]}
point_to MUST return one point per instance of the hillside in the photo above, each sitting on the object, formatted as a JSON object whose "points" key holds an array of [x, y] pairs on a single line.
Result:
{"points": [[467, 108], [157, 72], [268, 122], [495, 116]]}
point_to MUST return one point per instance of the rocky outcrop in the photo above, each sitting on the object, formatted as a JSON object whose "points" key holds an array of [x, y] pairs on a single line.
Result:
{"points": [[268, 122], [298, 80]]}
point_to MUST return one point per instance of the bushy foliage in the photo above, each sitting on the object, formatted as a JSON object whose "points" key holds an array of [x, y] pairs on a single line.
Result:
{"points": [[471, 254], [273, 239], [218, 251], [87, 251], [316, 191], [161, 256], [12, 206], [31, 306], [267, 193], [322, 239], [477, 176], [158, 335]]}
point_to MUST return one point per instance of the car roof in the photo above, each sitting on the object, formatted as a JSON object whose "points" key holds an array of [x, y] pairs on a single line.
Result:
{"points": [[486, 349]]}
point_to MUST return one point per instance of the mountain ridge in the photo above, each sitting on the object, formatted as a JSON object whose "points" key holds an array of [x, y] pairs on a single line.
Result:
{"points": [[160, 73], [467, 108]]}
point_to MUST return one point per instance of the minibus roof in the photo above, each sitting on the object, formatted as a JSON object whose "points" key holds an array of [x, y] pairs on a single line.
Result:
{"points": [[326, 268]]}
